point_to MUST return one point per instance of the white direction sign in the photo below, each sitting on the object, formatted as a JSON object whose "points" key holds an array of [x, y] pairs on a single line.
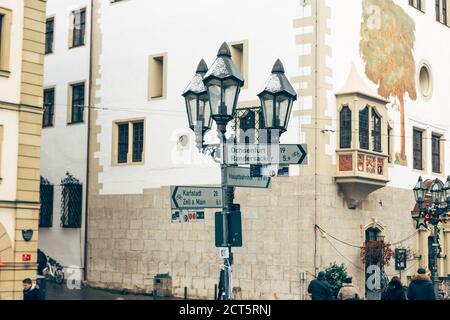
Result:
{"points": [[283, 154], [293, 154], [241, 177], [195, 197]]}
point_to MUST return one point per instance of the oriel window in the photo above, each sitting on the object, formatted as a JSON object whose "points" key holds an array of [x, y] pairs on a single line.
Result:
{"points": [[364, 129], [376, 131], [345, 128]]}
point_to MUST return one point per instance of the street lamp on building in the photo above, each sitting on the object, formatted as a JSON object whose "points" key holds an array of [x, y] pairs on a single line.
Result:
{"points": [[213, 94], [433, 214]]}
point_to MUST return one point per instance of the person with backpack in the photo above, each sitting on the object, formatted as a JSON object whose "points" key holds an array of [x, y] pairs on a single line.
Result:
{"points": [[394, 290], [421, 288], [348, 291], [319, 288]]}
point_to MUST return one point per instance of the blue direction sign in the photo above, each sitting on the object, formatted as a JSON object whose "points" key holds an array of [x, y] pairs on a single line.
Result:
{"points": [[184, 197]]}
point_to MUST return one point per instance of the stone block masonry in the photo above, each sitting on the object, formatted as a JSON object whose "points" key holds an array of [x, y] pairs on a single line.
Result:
{"points": [[279, 240]]}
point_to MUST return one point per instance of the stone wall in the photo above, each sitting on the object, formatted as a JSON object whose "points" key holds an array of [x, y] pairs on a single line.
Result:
{"points": [[131, 238]]}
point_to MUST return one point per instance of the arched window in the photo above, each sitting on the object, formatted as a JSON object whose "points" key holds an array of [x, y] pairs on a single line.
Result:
{"points": [[376, 131], [345, 128], [364, 129]]}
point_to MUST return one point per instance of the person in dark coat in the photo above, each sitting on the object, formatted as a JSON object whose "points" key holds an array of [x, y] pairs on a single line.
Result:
{"points": [[42, 262], [319, 288], [30, 292], [394, 291], [421, 288]]}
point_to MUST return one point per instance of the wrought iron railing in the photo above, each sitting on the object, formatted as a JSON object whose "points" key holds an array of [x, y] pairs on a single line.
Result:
{"points": [[248, 124], [71, 202]]}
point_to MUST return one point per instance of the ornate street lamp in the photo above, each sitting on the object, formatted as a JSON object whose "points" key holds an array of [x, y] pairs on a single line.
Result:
{"points": [[436, 192], [447, 191], [277, 99], [197, 104], [223, 82], [213, 94], [420, 191], [434, 215]]}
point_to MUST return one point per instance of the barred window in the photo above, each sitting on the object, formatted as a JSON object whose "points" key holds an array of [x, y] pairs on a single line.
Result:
{"points": [[46, 199], [436, 153], [376, 131], [364, 129], [49, 107], [77, 103], [71, 202], [79, 27], [417, 149], [249, 121], [345, 128], [49, 31]]}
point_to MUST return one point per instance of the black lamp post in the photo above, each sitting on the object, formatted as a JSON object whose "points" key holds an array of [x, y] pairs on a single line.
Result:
{"points": [[433, 215], [213, 94], [197, 104], [277, 99], [223, 82]]}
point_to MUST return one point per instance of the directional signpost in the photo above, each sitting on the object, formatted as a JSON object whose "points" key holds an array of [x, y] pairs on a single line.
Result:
{"points": [[284, 154], [196, 197], [241, 177]]}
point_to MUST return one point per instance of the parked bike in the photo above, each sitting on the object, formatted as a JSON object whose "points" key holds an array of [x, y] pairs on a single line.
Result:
{"points": [[53, 271]]}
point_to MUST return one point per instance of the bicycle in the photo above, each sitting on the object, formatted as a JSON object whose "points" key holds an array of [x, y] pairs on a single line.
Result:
{"points": [[53, 271]]}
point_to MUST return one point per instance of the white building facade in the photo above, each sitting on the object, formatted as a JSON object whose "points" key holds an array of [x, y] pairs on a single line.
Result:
{"points": [[360, 111], [65, 132]]}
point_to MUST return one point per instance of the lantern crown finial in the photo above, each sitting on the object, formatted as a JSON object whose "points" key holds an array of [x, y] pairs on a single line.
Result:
{"points": [[278, 67], [202, 68], [224, 50]]}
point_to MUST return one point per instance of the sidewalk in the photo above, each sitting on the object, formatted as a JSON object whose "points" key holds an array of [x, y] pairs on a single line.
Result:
{"points": [[61, 292]]}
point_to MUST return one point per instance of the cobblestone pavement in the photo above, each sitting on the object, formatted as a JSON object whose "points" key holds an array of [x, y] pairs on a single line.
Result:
{"points": [[61, 292]]}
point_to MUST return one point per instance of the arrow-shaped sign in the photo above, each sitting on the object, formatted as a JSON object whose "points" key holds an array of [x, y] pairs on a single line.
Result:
{"points": [[196, 197], [293, 154], [284, 154], [241, 177]]}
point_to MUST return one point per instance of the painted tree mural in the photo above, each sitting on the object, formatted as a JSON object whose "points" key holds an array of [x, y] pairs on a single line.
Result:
{"points": [[387, 42]]}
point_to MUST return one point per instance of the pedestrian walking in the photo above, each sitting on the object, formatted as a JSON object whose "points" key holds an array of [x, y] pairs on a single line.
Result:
{"points": [[30, 292], [421, 287], [348, 291], [319, 288], [394, 290]]}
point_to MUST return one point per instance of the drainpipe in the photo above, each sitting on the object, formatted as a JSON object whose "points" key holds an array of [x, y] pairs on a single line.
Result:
{"points": [[88, 151], [316, 76]]}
